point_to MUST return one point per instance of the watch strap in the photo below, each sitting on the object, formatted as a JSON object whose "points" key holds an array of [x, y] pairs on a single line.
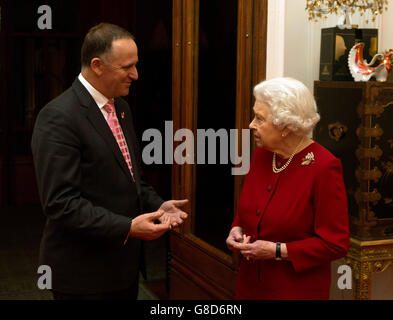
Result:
{"points": [[278, 251]]}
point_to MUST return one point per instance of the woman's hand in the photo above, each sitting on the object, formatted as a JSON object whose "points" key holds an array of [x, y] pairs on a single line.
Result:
{"points": [[257, 250], [235, 237]]}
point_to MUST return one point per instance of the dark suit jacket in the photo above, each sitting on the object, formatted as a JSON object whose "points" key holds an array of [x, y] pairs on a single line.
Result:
{"points": [[88, 195]]}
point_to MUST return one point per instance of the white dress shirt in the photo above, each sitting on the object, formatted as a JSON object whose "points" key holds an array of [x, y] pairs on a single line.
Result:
{"points": [[98, 97]]}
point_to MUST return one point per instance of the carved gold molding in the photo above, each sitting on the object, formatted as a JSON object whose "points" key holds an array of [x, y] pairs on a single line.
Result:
{"points": [[373, 196], [371, 216], [369, 153], [367, 258], [367, 175], [370, 110], [375, 132], [337, 131], [381, 95]]}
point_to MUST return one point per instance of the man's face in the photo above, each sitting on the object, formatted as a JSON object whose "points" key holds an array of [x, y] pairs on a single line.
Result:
{"points": [[119, 68]]}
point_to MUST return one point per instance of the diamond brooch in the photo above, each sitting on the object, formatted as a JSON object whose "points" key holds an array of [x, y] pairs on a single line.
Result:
{"points": [[308, 159]]}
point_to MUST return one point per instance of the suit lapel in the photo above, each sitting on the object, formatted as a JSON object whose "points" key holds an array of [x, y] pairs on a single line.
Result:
{"points": [[96, 118]]}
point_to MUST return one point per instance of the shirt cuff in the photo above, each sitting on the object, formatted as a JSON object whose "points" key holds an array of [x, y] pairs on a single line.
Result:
{"points": [[125, 241]]}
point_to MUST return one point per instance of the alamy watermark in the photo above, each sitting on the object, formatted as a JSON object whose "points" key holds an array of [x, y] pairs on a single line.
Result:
{"points": [[45, 280], [345, 280], [45, 20], [199, 150]]}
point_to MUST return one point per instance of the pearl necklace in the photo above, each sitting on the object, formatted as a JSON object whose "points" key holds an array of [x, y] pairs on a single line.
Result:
{"points": [[275, 170]]}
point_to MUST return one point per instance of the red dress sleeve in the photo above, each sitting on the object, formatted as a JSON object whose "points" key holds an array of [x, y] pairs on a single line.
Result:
{"points": [[255, 156], [332, 238]]}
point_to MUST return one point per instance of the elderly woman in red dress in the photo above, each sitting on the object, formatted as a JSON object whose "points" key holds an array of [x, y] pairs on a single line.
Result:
{"points": [[292, 219]]}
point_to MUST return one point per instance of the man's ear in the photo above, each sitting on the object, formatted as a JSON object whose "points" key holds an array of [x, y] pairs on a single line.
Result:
{"points": [[96, 65]]}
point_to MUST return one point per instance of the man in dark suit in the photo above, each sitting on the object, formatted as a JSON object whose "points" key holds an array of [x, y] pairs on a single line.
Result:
{"points": [[88, 172]]}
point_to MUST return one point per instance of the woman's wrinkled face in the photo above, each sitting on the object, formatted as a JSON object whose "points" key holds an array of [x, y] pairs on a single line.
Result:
{"points": [[266, 134]]}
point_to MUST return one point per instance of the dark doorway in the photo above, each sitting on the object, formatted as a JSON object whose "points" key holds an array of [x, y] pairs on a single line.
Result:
{"points": [[36, 66]]}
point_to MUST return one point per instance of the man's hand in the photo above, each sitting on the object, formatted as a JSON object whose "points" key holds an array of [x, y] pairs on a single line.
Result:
{"points": [[143, 226], [235, 237], [173, 213]]}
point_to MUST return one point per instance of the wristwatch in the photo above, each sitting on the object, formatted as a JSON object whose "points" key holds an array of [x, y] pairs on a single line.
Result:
{"points": [[278, 251]]}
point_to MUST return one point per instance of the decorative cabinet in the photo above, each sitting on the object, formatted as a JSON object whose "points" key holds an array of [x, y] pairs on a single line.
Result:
{"points": [[356, 126]]}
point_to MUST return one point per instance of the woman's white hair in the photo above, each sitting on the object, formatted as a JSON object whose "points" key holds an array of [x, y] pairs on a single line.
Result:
{"points": [[291, 104]]}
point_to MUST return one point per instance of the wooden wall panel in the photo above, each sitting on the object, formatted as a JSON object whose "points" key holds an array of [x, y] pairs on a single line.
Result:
{"points": [[212, 273], [187, 289]]}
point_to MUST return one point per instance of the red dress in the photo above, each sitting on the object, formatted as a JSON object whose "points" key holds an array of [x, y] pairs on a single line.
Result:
{"points": [[304, 206]]}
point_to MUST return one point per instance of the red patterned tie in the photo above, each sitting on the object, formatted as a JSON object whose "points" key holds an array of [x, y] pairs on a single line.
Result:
{"points": [[113, 123]]}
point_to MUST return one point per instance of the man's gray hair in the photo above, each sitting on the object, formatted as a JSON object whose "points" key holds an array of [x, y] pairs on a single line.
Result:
{"points": [[98, 41]]}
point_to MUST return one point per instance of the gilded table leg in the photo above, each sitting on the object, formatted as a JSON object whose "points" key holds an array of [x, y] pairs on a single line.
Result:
{"points": [[366, 258], [365, 281], [362, 276]]}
